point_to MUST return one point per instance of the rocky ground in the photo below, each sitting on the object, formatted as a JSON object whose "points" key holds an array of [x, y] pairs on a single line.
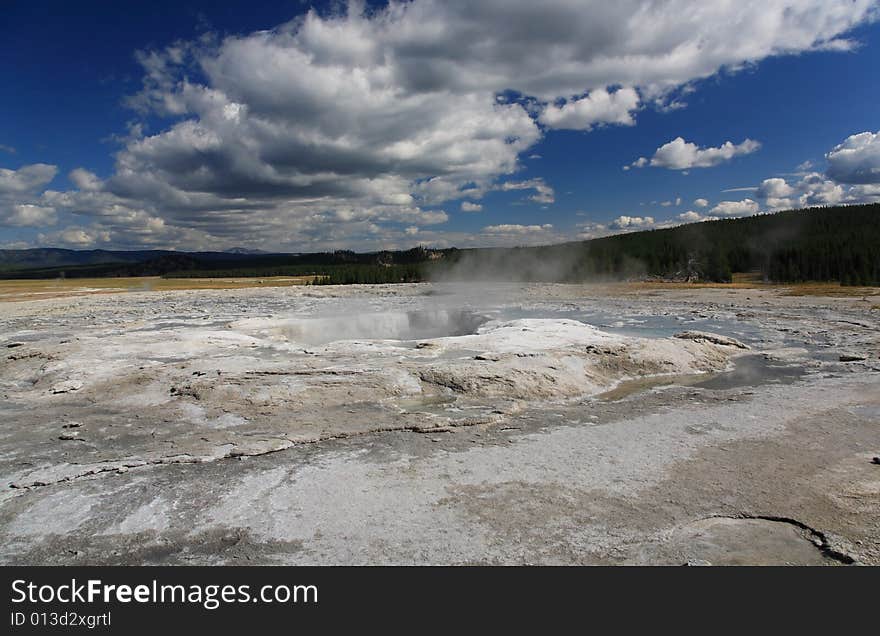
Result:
{"points": [[436, 424]]}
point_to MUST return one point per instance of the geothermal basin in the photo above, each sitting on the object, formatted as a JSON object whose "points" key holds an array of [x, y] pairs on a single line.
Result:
{"points": [[431, 424]]}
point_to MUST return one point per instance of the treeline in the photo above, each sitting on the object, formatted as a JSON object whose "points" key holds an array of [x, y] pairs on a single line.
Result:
{"points": [[819, 244], [384, 266], [372, 274], [322, 274]]}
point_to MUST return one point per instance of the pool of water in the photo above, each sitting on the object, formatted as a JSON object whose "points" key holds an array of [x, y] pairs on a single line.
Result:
{"points": [[748, 371], [642, 326]]}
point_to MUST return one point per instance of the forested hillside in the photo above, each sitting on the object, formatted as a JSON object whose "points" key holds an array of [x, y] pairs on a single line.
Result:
{"points": [[821, 244]]}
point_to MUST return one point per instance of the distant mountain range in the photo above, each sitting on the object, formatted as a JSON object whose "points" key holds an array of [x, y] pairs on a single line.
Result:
{"points": [[58, 262], [244, 250], [50, 257]]}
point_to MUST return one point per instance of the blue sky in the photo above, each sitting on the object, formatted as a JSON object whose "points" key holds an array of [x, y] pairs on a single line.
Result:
{"points": [[209, 125]]}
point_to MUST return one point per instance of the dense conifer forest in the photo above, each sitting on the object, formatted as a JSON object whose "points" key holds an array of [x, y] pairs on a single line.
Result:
{"points": [[819, 244]]}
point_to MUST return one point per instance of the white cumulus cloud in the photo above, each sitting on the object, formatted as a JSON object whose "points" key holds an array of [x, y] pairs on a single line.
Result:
{"points": [[679, 154], [597, 108], [690, 217], [856, 160], [746, 207], [19, 196], [27, 215], [27, 179], [627, 222]]}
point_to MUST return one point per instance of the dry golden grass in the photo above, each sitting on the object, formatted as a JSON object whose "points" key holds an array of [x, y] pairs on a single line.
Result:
{"points": [[830, 289], [740, 281], [791, 289], [754, 281], [19, 290], [677, 285]]}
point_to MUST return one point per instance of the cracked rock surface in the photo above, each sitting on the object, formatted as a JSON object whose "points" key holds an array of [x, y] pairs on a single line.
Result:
{"points": [[423, 424]]}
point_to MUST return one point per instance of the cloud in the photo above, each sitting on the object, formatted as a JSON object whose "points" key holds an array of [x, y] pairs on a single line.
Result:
{"points": [[75, 237], [467, 206], [591, 229], [85, 180], [775, 187], [812, 189], [339, 128], [629, 222], [621, 225], [775, 192], [27, 179], [596, 108], [856, 160], [543, 192], [679, 154], [746, 207], [7, 149], [516, 229], [19, 190], [510, 234], [27, 215], [701, 203], [691, 217], [641, 162]]}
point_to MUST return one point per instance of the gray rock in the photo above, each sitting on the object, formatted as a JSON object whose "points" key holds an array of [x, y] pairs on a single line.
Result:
{"points": [[697, 563], [852, 357], [714, 338], [67, 386]]}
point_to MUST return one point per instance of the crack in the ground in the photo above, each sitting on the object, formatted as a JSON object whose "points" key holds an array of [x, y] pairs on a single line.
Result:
{"points": [[817, 537]]}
